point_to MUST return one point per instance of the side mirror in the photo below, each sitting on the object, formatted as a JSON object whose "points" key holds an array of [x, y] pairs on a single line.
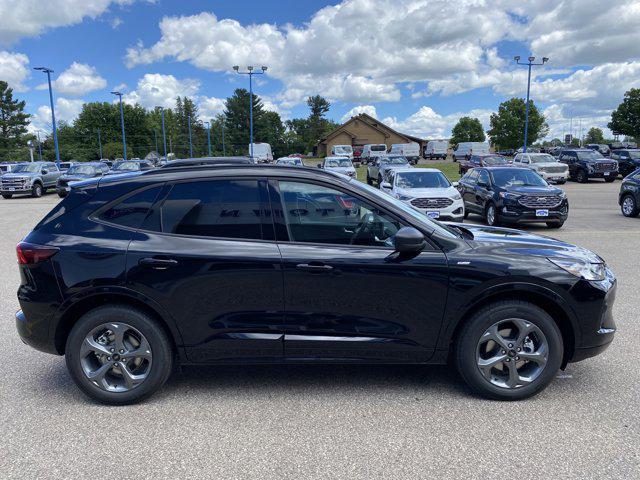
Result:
{"points": [[385, 185], [409, 240], [319, 165], [483, 184], [456, 184], [44, 171]]}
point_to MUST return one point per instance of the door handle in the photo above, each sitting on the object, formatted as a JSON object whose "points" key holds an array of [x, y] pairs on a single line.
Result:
{"points": [[314, 268], [158, 263]]}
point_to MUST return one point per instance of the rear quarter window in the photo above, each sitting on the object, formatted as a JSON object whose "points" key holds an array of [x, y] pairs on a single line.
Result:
{"points": [[131, 210]]}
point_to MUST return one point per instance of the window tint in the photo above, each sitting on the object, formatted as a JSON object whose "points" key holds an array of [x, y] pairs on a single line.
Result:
{"points": [[131, 211], [318, 214], [483, 177], [216, 208]]}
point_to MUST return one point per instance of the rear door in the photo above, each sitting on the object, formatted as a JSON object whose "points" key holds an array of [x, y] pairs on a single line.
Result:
{"points": [[468, 183], [206, 253], [346, 295]]}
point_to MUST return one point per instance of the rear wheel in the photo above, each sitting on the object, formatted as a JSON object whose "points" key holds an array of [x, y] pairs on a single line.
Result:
{"points": [[379, 180], [629, 206], [36, 190], [118, 355], [509, 350], [369, 180], [581, 176]]}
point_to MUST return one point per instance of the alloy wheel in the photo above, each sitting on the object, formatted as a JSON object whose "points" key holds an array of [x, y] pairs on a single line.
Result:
{"points": [[512, 353], [116, 357], [491, 215], [628, 206]]}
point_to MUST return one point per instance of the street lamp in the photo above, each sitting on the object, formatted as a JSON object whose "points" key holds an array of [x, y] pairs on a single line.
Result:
{"points": [[251, 73], [529, 63], [124, 138], [208, 124], [48, 71], [190, 144], [164, 135]]}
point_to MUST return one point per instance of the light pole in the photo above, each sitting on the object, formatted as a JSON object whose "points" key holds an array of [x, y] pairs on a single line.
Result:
{"points": [[124, 138], [164, 135], [100, 144], [529, 64], [155, 136], [208, 124], [224, 149], [48, 71], [39, 145], [251, 73], [190, 144]]}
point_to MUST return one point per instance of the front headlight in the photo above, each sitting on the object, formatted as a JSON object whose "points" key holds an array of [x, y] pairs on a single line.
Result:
{"points": [[578, 268], [457, 196], [509, 196], [404, 198]]}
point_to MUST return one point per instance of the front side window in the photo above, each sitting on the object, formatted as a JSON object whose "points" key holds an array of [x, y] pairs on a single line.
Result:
{"points": [[378, 148], [483, 178], [215, 208], [319, 214]]}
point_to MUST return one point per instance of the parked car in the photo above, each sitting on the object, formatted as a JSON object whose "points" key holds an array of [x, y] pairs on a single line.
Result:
{"points": [[128, 166], [512, 195], [261, 153], [64, 166], [628, 160], [585, 164], [79, 172], [629, 197], [125, 296], [466, 149], [342, 151], [381, 165], [290, 162], [436, 149], [29, 178], [371, 152], [8, 167], [599, 147], [427, 190], [509, 152], [481, 160], [411, 151], [546, 165], [341, 165]]}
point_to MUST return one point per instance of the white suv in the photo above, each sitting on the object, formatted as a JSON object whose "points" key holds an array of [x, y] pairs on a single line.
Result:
{"points": [[426, 190], [546, 165]]}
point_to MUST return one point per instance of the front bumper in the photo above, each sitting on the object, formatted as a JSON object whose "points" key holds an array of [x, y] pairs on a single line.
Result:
{"points": [[516, 213], [555, 177], [454, 212], [611, 173]]}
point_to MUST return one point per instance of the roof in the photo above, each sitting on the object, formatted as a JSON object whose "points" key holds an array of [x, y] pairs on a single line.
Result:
{"points": [[373, 123], [191, 162], [412, 169]]}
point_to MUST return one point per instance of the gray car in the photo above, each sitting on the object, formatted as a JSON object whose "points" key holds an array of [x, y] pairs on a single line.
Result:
{"points": [[378, 169], [29, 178]]}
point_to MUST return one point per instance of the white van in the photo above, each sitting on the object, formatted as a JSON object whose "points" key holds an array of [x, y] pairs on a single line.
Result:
{"points": [[411, 151], [371, 151], [342, 151], [436, 149], [261, 153], [470, 148]]}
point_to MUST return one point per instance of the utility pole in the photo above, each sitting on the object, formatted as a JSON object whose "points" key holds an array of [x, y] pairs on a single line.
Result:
{"points": [[100, 144], [224, 149], [208, 124], [164, 135], [529, 64], [190, 144], [48, 71], [39, 145]]}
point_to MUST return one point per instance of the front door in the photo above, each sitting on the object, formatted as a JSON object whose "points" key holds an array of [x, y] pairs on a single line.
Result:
{"points": [[346, 295], [206, 254]]}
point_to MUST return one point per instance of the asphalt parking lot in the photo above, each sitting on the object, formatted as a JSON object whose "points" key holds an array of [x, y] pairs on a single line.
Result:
{"points": [[326, 421]]}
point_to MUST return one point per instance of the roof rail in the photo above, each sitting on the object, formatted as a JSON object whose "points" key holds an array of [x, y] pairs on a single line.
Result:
{"points": [[204, 161]]}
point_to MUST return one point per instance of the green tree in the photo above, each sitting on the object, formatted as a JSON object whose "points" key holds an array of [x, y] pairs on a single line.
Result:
{"points": [[304, 133], [594, 135], [467, 130], [625, 120], [236, 114], [13, 120], [507, 126]]}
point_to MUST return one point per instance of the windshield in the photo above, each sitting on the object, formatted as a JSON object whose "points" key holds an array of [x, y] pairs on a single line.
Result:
{"points": [[82, 170], [394, 160], [635, 154], [289, 161], [422, 180], [590, 155], [28, 168], [494, 160], [343, 149], [127, 166], [517, 178], [338, 162], [378, 148], [542, 158]]}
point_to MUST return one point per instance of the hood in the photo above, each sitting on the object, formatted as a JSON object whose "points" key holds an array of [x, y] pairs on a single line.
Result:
{"points": [[549, 164], [447, 192], [393, 166], [341, 169], [548, 190], [20, 175], [76, 177], [512, 241]]}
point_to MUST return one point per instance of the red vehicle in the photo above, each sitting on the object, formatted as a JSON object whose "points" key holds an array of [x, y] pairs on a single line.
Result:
{"points": [[484, 160]]}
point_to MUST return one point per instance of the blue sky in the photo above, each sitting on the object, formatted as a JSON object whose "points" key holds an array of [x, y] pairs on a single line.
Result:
{"points": [[416, 65]]}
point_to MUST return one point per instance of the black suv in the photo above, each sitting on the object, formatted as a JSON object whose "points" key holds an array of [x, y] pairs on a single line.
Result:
{"points": [[132, 274], [585, 164], [629, 197], [628, 160], [510, 195]]}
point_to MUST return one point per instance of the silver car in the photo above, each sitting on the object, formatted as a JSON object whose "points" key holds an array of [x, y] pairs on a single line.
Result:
{"points": [[341, 165], [380, 167], [546, 165]]}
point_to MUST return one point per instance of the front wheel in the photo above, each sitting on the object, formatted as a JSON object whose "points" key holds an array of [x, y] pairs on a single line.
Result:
{"points": [[581, 176], [7, 196], [610, 179], [118, 355], [491, 215], [369, 180], [509, 350], [629, 206], [36, 190], [555, 224]]}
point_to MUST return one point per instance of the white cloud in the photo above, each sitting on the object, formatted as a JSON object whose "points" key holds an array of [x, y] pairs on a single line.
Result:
{"points": [[155, 89], [116, 22], [66, 111], [14, 69], [368, 109], [209, 107], [79, 79], [427, 123]]}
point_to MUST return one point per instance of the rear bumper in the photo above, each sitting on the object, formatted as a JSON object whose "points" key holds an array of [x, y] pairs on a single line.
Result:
{"points": [[35, 332]]}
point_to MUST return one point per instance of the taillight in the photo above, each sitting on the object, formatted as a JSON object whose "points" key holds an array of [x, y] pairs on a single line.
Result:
{"points": [[31, 254]]}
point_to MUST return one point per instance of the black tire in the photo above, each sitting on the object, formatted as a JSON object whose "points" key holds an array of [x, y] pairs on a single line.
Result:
{"points": [[37, 190], [582, 177], [159, 370], [634, 210], [62, 194], [555, 224], [467, 341], [369, 181], [379, 180], [561, 182], [7, 196], [610, 179], [466, 214], [496, 220]]}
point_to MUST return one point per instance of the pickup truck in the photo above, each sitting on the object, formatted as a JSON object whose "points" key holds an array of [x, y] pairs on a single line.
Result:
{"points": [[29, 178]]}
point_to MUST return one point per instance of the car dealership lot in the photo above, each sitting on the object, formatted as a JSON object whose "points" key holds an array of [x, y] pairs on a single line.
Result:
{"points": [[332, 421]]}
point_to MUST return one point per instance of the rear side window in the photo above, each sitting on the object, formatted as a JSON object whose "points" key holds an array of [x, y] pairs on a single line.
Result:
{"points": [[132, 210], [215, 208]]}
